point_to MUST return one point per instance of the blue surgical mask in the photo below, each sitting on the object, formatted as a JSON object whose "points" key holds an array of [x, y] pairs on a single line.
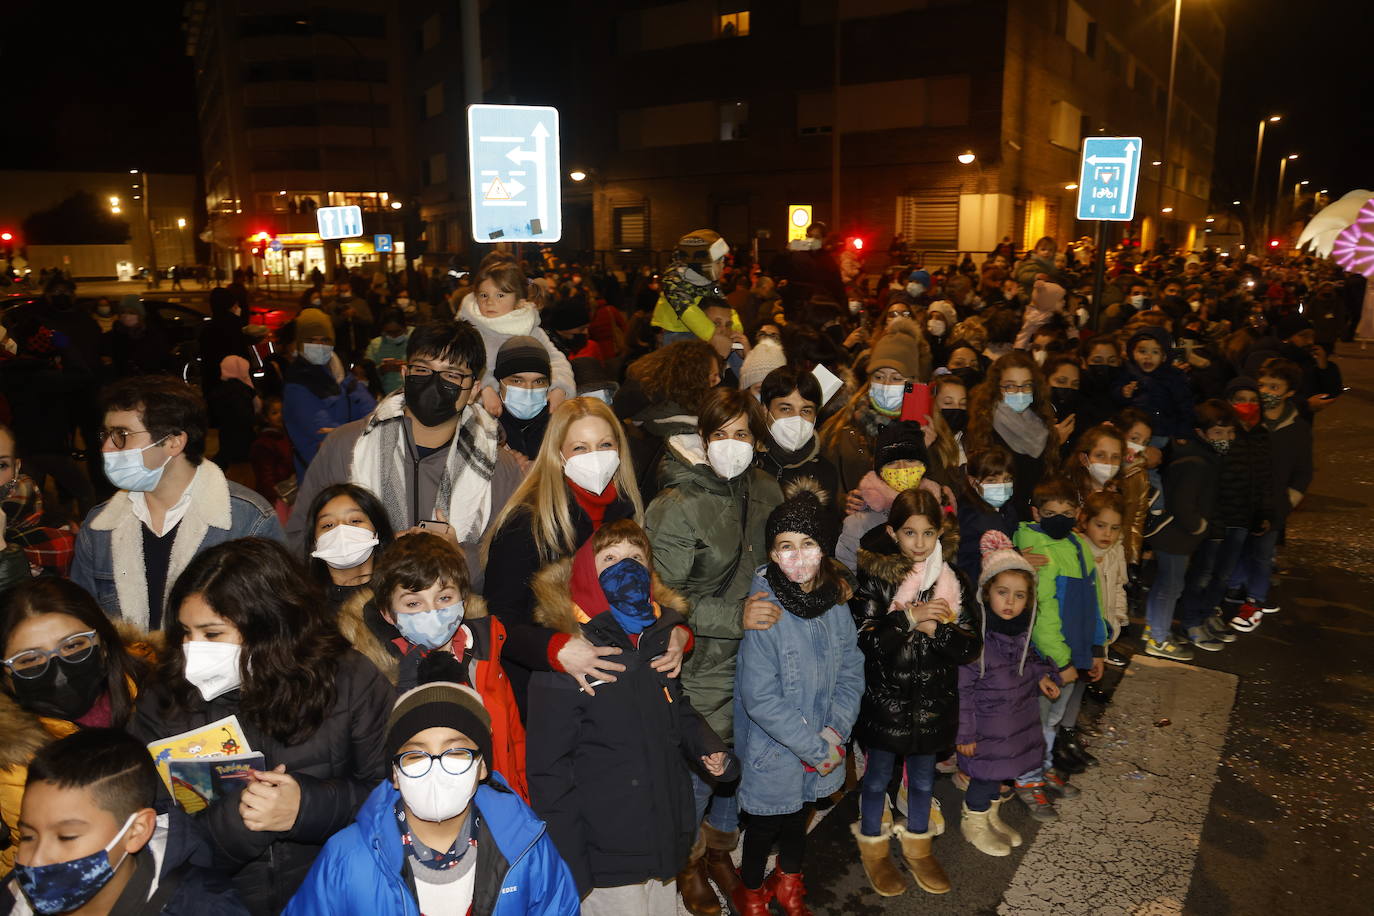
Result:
{"points": [[626, 586], [996, 494], [61, 887], [1018, 400], [525, 403], [431, 629], [887, 398], [125, 469], [317, 353]]}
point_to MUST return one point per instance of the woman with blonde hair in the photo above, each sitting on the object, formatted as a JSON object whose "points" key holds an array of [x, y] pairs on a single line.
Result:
{"points": [[581, 478]]}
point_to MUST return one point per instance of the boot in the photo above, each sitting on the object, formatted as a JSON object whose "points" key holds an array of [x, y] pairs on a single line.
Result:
{"points": [[995, 822], [697, 896], [976, 826], [1068, 737], [930, 877], [789, 891], [721, 870], [746, 902], [1065, 761], [882, 872]]}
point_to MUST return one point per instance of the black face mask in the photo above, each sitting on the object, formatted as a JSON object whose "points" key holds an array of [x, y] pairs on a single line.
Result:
{"points": [[969, 375], [1057, 526], [575, 342], [1065, 401], [431, 399], [1100, 375], [956, 418], [66, 690], [1013, 627]]}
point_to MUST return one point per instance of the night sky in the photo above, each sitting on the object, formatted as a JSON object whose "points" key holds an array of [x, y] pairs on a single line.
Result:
{"points": [[111, 88]]}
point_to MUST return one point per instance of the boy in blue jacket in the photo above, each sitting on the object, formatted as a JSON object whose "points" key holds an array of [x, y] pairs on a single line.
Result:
{"points": [[1070, 630], [444, 835], [1151, 384]]}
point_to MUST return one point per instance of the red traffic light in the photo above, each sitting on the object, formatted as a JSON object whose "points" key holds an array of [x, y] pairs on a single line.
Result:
{"points": [[1273, 243], [858, 243], [6, 236]]}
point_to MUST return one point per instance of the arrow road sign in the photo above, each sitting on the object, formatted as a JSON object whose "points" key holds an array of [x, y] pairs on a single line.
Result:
{"points": [[513, 173], [1108, 178], [340, 222]]}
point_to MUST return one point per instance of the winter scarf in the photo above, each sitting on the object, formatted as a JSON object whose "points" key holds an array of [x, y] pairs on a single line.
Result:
{"points": [[585, 585], [383, 451], [595, 504], [1024, 432], [518, 322], [928, 579], [799, 603]]}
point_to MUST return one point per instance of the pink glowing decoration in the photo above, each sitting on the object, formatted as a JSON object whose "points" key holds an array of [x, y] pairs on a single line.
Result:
{"points": [[1354, 247]]}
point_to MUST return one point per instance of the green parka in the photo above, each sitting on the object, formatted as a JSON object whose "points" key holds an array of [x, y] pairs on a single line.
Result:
{"points": [[708, 538]]}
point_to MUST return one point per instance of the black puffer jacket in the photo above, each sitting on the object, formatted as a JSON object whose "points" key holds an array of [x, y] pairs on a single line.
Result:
{"points": [[911, 692], [336, 767], [1245, 489]]}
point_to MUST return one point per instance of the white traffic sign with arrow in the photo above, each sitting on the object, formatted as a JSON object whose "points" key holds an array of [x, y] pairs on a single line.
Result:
{"points": [[1108, 178], [513, 173]]}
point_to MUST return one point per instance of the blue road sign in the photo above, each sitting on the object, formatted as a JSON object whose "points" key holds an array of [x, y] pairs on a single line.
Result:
{"points": [[513, 173], [275, 244], [382, 244], [340, 222], [1108, 178]]}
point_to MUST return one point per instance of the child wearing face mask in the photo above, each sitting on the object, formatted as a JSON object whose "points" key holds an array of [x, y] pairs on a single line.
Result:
{"points": [[611, 772], [499, 308], [443, 834], [999, 696], [1070, 630], [984, 505], [1100, 526], [900, 460], [793, 400], [420, 621], [914, 632], [797, 694]]}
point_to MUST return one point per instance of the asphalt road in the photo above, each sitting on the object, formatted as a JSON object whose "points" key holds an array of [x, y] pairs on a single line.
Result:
{"points": [[1238, 784]]}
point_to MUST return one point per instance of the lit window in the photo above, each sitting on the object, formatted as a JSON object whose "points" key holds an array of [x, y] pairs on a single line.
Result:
{"points": [[734, 25]]}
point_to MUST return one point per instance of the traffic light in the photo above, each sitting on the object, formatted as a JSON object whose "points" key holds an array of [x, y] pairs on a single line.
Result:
{"points": [[857, 243], [1273, 243], [6, 236]]}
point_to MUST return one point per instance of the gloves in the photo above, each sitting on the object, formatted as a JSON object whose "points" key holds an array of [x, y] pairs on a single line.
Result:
{"points": [[836, 755]]}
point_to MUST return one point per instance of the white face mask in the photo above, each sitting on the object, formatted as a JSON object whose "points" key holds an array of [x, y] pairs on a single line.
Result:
{"points": [[319, 354], [1138, 301], [887, 397], [1134, 449], [1103, 472], [855, 306], [1039, 356], [915, 289], [213, 667], [792, 433], [936, 328], [592, 471], [438, 795], [729, 457], [1195, 305], [345, 546]]}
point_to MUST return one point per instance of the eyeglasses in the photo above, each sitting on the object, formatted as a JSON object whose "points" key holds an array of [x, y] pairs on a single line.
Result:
{"points": [[1013, 389], [451, 376], [903, 314], [118, 436], [455, 761], [32, 663]]}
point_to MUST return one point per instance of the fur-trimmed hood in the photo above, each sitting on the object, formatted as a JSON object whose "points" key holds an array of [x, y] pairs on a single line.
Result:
{"points": [[553, 597], [880, 557], [363, 626]]}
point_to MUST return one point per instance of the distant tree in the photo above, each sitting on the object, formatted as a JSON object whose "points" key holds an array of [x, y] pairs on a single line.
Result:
{"points": [[81, 219]]}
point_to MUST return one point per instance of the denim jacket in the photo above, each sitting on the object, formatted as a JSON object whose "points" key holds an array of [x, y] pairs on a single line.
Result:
{"points": [[820, 670], [109, 547]]}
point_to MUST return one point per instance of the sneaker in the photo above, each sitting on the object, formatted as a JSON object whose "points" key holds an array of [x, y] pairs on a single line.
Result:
{"points": [[1116, 659], [1059, 784], [1246, 618], [1168, 649], [1217, 624], [1156, 524], [1202, 637], [948, 765], [1267, 607], [1037, 802]]}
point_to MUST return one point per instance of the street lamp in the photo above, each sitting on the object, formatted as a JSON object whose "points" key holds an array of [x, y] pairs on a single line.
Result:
{"points": [[1169, 104], [967, 158], [1278, 193], [1071, 187], [146, 197], [1254, 181], [181, 232], [577, 175]]}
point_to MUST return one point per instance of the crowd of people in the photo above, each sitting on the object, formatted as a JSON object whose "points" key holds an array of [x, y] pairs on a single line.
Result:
{"points": [[560, 590]]}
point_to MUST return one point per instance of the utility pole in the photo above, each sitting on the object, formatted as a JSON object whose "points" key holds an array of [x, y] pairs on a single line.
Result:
{"points": [[1158, 215]]}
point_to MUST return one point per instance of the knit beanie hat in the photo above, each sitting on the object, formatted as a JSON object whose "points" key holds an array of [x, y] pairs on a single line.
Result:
{"points": [[945, 309], [900, 440], [998, 557], [520, 354], [919, 276], [590, 375], [566, 314], [899, 348], [761, 360], [440, 703], [1047, 296], [806, 510], [1241, 383], [314, 323], [131, 304]]}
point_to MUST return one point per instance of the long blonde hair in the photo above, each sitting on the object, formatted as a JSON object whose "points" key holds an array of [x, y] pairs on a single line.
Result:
{"points": [[544, 492]]}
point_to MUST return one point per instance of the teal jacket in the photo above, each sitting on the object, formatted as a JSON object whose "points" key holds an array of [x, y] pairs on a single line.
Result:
{"points": [[1069, 625]]}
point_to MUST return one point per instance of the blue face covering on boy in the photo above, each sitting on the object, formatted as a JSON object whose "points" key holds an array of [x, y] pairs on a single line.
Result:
{"points": [[61, 887], [626, 586]]}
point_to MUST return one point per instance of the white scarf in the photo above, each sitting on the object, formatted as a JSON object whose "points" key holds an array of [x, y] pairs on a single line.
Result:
{"points": [[518, 322]]}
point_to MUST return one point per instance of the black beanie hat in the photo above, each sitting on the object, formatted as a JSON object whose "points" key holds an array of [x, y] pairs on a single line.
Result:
{"points": [[521, 354], [566, 314], [439, 704], [1241, 383], [806, 510], [900, 440]]}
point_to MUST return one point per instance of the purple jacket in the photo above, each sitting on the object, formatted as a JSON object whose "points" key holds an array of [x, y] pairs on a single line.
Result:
{"points": [[1000, 709]]}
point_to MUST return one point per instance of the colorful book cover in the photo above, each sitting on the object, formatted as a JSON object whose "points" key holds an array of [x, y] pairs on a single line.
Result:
{"points": [[197, 783], [222, 738]]}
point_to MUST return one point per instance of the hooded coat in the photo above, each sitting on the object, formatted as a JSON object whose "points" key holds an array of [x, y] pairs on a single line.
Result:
{"points": [[708, 538], [611, 774], [1164, 394]]}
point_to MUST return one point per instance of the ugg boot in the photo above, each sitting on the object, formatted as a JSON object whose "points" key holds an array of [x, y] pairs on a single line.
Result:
{"points": [[789, 891], [995, 822], [697, 895], [876, 854], [976, 827], [930, 877], [746, 902], [721, 869]]}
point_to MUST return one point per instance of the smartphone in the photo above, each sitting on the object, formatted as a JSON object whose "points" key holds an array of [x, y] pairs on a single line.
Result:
{"points": [[916, 402], [433, 524], [1177, 354]]}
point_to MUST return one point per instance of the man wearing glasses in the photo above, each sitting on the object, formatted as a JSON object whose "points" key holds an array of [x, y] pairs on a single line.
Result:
{"points": [[429, 452], [445, 832], [171, 504]]}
